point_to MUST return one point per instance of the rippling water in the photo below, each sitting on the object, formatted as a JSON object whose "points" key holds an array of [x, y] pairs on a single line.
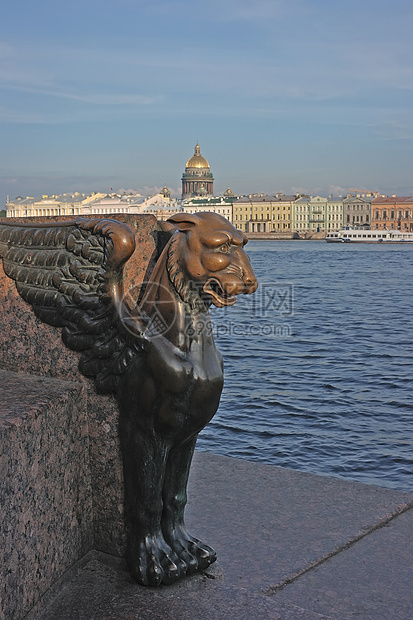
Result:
{"points": [[319, 363]]}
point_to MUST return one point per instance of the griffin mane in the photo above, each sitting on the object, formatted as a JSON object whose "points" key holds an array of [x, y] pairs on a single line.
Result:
{"points": [[187, 290]]}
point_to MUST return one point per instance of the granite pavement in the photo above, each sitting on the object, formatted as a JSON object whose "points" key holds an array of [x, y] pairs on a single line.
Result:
{"points": [[291, 546]]}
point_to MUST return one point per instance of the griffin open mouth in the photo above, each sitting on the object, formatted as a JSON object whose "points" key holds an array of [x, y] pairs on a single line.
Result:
{"points": [[213, 288]]}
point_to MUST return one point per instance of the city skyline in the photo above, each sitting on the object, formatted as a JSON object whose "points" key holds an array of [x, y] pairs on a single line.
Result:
{"points": [[283, 96]]}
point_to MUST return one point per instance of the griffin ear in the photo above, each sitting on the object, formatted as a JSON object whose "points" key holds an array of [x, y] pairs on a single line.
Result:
{"points": [[184, 221]]}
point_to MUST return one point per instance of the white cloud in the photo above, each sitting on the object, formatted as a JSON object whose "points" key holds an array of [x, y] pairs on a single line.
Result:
{"points": [[323, 69], [101, 98], [230, 10], [224, 10], [394, 128]]}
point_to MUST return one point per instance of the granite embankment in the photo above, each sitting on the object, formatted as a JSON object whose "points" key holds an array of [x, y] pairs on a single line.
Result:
{"points": [[287, 236]]}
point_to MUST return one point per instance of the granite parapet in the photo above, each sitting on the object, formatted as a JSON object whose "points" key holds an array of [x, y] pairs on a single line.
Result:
{"points": [[46, 512], [53, 424]]}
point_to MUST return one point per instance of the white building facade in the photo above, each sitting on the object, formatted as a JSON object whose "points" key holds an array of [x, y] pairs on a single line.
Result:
{"points": [[221, 205]]}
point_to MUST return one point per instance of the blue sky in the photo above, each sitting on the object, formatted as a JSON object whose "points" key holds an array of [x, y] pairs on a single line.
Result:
{"points": [[282, 95]]}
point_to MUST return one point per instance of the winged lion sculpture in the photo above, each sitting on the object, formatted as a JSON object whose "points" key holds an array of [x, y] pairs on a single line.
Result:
{"points": [[159, 359]]}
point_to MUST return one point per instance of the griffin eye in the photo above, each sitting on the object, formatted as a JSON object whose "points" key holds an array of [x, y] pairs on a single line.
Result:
{"points": [[224, 248]]}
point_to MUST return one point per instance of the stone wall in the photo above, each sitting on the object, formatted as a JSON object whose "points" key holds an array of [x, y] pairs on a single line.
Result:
{"points": [[46, 515], [61, 483]]}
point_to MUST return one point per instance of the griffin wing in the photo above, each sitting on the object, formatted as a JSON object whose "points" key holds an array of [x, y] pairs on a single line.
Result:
{"points": [[71, 274]]}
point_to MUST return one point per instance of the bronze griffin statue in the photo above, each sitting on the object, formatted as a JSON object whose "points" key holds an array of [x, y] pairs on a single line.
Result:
{"points": [[159, 358]]}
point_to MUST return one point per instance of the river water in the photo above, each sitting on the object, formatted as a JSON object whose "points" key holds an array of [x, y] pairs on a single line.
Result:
{"points": [[319, 363]]}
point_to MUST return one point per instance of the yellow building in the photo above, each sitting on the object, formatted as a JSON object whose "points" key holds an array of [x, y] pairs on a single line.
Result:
{"points": [[261, 213]]}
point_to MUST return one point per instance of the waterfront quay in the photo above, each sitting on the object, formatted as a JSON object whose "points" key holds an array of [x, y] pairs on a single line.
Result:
{"points": [[288, 236], [291, 546]]}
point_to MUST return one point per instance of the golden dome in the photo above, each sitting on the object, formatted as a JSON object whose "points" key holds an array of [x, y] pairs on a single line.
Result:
{"points": [[197, 161]]}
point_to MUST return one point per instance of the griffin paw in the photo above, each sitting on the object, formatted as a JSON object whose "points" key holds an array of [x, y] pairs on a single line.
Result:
{"points": [[196, 554], [155, 563]]}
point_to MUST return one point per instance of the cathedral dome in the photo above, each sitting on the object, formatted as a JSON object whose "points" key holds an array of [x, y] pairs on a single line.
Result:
{"points": [[197, 161], [197, 180]]}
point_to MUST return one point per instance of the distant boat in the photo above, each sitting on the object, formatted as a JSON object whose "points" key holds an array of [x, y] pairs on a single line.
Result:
{"points": [[369, 236]]}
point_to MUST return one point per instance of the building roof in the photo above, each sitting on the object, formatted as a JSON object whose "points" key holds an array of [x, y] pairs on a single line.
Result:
{"points": [[213, 200], [391, 200], [266, 198]]}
